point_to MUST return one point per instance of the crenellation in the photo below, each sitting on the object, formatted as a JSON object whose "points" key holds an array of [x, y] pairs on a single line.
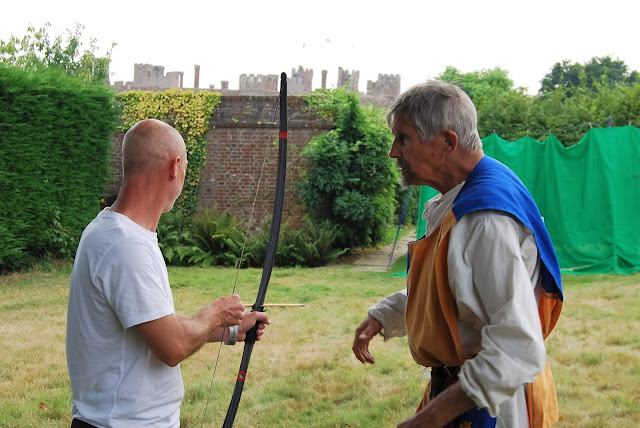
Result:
{"points": [[151, 77], [380, 93], [259, 82]]}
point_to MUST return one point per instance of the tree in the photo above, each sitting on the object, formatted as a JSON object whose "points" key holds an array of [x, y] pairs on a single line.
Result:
{"points": [[563, 75], [37, 50], [575, 97], [350, 183], [501, 107], [597, 71], [478, 83]]}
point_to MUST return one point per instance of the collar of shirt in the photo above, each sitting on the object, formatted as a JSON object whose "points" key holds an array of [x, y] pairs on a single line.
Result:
{"points": [[436, 208]]}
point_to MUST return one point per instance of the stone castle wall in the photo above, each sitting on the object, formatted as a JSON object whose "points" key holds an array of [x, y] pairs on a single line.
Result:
{"points": [[380, 93], [260, 82]]}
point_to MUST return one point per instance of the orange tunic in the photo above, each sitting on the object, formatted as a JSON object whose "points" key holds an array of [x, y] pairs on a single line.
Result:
{"points": [[432, 322]]}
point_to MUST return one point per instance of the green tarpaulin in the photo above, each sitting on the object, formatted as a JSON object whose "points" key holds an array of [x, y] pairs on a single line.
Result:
{"points": [[588, 194]]}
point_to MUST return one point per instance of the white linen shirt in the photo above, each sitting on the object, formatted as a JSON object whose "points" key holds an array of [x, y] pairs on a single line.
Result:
{"points": [[493, 268]]}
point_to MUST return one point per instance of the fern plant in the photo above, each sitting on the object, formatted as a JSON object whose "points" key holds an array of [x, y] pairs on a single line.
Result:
{"points": [[174, 239], [311, 245], [216, 239]]}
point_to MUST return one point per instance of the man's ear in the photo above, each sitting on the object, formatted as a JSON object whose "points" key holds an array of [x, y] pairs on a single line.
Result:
{"points": [[450, 139], [175, 164]]}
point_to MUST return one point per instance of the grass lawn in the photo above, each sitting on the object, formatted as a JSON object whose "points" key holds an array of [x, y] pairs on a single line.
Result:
{"points": [[303, 373]]}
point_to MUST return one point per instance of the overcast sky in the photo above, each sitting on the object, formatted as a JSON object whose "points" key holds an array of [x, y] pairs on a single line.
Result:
{"points": [[415, 39]]}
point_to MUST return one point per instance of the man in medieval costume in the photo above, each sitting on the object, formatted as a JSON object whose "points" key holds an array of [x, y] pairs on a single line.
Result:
{"points": [[483, 284]]}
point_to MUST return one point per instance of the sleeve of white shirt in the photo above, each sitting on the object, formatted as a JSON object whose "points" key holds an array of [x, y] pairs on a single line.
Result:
{"points": [[390, 313], [131, 282], [491, 272]]}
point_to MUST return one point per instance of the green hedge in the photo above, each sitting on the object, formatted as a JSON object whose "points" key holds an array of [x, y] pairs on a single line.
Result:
{"points": [[55, 143]]}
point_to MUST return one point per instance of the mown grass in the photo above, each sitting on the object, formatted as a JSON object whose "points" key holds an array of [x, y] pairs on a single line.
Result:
{"points": [[303, 373], [595, 351]]}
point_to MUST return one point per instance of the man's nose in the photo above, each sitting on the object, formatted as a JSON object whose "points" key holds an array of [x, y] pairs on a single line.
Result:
{"points": [[394, 152]]}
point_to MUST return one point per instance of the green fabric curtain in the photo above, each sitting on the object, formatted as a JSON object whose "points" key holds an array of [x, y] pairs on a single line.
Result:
{"points": [[588, 194]]}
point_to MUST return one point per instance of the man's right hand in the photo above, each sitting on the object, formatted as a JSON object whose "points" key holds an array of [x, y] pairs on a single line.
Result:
{"points": [[227, 311], [364, 333]]}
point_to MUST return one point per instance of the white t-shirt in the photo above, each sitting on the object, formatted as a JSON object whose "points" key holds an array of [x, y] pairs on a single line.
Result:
{"points": [[119, 280]]}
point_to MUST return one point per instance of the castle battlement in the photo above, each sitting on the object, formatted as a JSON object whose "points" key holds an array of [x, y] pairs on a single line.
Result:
{"points": [[153, 78]]}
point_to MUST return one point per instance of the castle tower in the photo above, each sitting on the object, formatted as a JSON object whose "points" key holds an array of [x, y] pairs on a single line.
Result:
{"points": [[300, 81], [387, 86], [350, 80]]}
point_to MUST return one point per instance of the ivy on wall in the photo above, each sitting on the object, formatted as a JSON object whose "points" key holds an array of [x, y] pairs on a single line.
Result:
{"points": [[190, 114]]}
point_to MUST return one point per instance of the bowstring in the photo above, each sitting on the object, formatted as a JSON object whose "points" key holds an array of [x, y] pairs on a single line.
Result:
{"points": [[239, 263]]}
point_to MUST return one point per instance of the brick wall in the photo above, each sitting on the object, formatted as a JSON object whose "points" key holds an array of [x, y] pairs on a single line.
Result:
{"points": [[244, 132]]}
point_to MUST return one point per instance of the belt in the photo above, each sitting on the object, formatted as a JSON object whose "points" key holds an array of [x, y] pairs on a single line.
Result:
{"points": [[445, 371], [78, 423], [443, 377]]}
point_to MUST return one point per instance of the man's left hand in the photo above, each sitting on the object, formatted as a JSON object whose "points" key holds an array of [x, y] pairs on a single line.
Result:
{"points": [[250, 319]]}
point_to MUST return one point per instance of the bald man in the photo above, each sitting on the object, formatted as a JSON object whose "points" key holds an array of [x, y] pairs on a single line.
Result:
{"points": [[124, 339]]}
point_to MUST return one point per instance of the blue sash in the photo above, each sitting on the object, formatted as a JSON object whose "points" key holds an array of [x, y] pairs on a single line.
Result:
{"points": [[493, 186]]}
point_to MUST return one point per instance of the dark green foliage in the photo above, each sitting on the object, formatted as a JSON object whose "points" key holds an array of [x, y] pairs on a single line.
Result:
{"points": [[501, 108], [174, 239], [216, 239], [573, 98], [412, 206], [351, 181], [310, 246], [598, 71], [569, 118], [55, 142]]}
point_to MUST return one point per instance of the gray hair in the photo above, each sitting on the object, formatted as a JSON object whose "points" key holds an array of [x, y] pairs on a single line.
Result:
{"points": [[435, 106]]}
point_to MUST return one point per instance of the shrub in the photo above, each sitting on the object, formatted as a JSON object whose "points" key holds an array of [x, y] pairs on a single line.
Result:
{"points": [[350, 183], [59, 240], [314, 244], [311, 245], [174, 239], [54, 162], [412, 210], [216, 239]]}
